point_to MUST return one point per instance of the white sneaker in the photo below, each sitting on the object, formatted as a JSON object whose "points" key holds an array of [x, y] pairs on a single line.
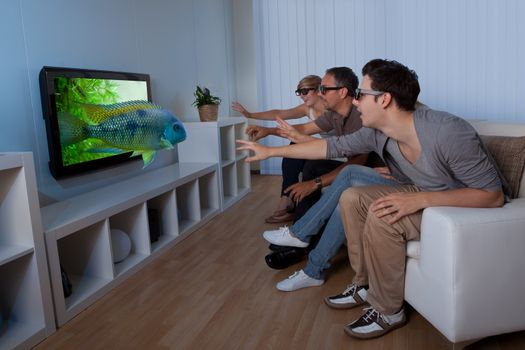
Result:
{"points": [[282, 236], [297, 281]]}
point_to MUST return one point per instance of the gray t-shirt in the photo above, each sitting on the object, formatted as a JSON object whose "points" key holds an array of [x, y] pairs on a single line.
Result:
{"points": [[333, 121], [421, 172], [452, 154]]}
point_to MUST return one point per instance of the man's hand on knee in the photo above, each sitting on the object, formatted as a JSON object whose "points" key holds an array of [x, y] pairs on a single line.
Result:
{"points": [[398, 205]]}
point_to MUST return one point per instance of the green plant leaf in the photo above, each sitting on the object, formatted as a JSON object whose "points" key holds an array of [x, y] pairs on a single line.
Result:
{"points": [[203, 97]]}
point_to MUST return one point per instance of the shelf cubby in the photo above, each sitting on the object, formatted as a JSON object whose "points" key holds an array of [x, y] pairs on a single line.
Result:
{"points": [[15, 217], [209, 200], [86, 258], [134, 223], [188, 207], [163, 219], [26, 306], [9, 253], [243, 176], [227, 145], [21, 311], [229, 184], [215, 142], [240, 134]]}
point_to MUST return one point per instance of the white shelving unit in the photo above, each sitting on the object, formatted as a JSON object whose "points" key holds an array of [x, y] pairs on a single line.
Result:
{"points": [[26, 307], [215, 142], [77, 231]]}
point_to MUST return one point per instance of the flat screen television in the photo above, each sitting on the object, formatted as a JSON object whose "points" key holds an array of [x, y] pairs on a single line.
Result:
{"points": [[69, 90]]}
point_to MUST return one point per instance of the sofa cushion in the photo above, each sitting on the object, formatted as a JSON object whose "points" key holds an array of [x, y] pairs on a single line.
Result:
{"points": [[413, 249], [509, 154]]}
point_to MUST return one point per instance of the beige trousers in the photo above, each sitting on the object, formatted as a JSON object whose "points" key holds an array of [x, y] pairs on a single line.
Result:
{"points": [[377, 250]]}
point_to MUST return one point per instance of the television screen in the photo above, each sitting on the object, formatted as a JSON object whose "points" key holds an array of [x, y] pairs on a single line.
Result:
{"points": [[73, 92]]}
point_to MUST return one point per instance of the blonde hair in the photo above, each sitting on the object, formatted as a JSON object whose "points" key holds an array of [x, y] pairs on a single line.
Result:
{"points": [[309, 81]]}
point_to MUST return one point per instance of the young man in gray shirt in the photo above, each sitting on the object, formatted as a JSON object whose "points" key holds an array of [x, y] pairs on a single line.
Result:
{"points": [[441, 159]]}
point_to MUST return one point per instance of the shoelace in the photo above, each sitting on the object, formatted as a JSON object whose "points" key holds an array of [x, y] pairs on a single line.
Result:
{"points": [[370, 314], [294, 274], [350, 290], [284, 230]]}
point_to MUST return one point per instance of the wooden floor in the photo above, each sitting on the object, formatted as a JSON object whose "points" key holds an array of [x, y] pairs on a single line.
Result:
{"points": [[213, 290]]}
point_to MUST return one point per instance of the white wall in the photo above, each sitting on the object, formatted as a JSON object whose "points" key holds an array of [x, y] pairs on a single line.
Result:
{"points": [[468, 53], [245, 57], [180, 43]]}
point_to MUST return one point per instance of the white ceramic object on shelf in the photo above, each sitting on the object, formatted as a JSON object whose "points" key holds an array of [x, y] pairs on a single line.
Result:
{"points": [[121, 245]]}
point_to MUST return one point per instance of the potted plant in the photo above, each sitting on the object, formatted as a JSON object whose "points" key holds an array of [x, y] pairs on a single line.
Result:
{"points": [[206, 103]]}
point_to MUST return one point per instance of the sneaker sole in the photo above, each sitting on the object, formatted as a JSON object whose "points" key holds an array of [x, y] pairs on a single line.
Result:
{"points": [[303, 287], [342, 306], [279, 248], [375, 334]]}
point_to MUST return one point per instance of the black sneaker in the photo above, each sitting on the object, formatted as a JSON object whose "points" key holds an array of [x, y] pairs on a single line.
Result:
{"points": [[374, 324], [285, 257], [352, 296], [278, 248]]}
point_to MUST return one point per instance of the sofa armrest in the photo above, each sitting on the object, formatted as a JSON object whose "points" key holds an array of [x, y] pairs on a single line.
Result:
{"points": [[471, 268], [452, 237]]}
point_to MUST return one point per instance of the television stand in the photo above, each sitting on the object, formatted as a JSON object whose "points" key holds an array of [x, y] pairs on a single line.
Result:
{"points": [[183, 197]]}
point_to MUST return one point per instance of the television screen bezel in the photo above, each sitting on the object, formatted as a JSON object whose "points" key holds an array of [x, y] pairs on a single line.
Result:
{"points": [[47, 91]]}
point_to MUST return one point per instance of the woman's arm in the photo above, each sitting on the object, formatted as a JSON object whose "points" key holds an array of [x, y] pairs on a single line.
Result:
{"points": [[291, 113]]}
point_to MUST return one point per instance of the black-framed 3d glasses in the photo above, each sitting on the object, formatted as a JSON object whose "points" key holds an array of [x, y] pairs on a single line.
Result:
{"points": [[304, 91], [323, 89], [361, 92]]}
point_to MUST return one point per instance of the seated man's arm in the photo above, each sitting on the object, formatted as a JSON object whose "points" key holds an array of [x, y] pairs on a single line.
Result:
{"points": [[464, 197], [309, 128], [458, 145], [257, 132], [315, 149], [401, 204], [297, 133], [300, 190]]}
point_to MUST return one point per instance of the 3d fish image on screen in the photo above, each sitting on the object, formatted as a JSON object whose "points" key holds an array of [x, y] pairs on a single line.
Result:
{"points": [[137, 126]]}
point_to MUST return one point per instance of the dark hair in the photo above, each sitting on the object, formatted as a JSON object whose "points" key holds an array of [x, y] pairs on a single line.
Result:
{"points": [[346, 77], [396, 79], [372, 65]]}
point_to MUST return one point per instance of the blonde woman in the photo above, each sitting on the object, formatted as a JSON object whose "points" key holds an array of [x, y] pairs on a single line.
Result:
{"points": [[312, 107]]}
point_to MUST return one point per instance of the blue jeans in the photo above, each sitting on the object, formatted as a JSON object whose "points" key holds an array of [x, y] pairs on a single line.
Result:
{"points": [[325, 209]]}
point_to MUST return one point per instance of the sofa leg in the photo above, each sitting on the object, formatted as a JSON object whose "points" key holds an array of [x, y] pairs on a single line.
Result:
{"points": [[463, 344]]}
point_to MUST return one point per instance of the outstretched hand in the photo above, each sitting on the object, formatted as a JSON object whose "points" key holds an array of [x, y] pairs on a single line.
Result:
{"points": [[260, 152], [236, 106], [256, 132], [288, 131], [398, 205]]}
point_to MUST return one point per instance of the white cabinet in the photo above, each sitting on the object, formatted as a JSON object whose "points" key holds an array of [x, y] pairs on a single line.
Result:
{"points": [[215, 142], [154, 210], [26, 309]]}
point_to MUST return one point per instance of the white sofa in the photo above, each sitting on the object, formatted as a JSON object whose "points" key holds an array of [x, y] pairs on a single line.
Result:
{"points": [[466, 275]]}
